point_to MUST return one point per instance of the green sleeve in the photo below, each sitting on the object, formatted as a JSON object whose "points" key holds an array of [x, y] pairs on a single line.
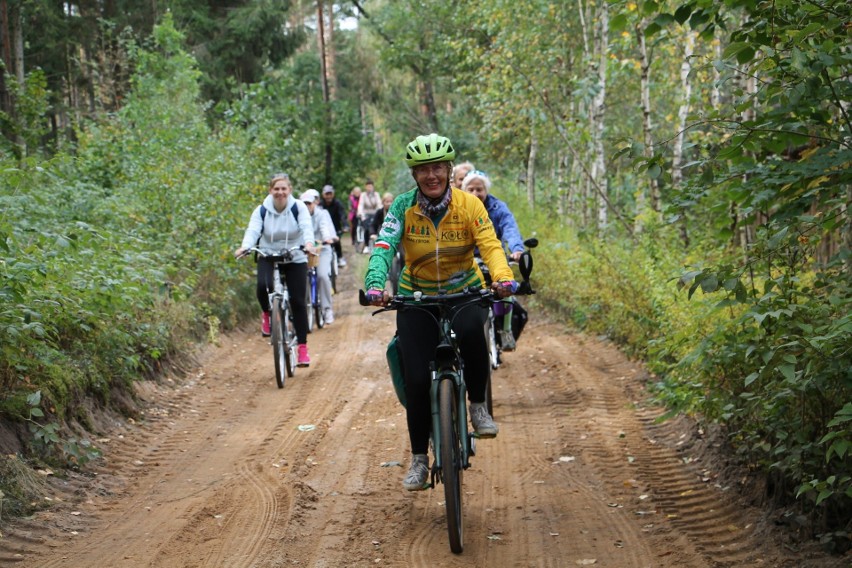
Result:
{"points": [[388, 239]]}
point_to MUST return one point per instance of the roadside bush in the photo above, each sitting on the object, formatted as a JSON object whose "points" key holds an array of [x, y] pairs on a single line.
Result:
{"points": [[768, 356], [118, 259]]}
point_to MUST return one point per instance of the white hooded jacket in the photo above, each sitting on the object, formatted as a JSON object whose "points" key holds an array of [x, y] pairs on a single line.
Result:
{"points": [[280, 231]]}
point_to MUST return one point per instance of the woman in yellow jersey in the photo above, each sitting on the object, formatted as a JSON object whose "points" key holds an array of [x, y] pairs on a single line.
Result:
{"points": [[438, 227]]}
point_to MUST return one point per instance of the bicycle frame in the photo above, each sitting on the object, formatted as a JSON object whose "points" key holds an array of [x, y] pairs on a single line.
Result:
{"points": [[283, 340], [447, 363]]}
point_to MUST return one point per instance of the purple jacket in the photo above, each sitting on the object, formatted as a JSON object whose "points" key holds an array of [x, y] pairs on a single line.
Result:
{"points": [[504, 224]]}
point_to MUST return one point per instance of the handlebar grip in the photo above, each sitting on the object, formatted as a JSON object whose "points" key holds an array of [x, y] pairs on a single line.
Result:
{"points": [[362, 298]]}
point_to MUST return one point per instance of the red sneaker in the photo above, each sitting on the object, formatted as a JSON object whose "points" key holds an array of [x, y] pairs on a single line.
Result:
{"points": [[303, 360], [264, 325]]}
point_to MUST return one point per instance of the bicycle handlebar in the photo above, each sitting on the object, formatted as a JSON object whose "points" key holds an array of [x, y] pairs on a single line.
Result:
{"points": [[472, 294], [285, 254]]}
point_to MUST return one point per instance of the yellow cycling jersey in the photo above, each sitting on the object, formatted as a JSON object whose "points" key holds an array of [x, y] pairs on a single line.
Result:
{"points": [[438, 257]]}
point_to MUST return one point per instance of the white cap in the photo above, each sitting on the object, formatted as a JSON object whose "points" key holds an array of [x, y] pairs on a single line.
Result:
{"points": [[309, 196]]}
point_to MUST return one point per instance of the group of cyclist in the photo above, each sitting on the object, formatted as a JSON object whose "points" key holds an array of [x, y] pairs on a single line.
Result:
{"points": [[440, 224]]}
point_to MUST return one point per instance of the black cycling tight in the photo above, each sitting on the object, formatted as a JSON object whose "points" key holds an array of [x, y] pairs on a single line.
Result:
{"points": [[418, 337]]}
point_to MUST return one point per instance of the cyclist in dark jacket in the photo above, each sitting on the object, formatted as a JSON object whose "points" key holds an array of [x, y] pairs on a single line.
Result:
{"points": [[337, 212]]}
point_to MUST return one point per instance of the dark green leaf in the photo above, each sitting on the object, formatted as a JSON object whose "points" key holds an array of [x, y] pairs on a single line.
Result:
{"points": [[652, 29], [683, 13]]}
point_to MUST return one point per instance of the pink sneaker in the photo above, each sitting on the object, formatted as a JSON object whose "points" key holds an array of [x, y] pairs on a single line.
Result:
{"points": [[264, 325], [303, 360]]}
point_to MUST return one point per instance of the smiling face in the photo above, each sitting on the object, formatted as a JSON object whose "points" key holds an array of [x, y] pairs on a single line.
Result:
{"points": [[432, 179], [477, 187], [280, 189]]}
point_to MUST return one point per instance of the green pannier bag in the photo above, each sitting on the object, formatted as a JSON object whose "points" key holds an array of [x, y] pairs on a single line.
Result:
{"points": [[395, 364]]}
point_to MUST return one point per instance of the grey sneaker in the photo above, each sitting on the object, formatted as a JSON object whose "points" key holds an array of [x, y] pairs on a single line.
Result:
{"points": [[417, 478], [483, 424], [507, 340]]}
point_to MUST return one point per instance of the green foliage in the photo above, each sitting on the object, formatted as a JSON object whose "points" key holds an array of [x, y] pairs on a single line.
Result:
{"points": [[290, 101], [237, 42], [770, 359], [778, 372], [115, 260], [48, 439]]}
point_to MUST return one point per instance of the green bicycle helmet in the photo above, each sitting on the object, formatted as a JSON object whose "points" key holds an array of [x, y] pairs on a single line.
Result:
{"points": [[429, 148]]}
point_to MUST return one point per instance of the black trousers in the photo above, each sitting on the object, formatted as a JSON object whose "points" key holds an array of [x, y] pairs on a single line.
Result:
{"points": [[296, 277], [418, 337]]}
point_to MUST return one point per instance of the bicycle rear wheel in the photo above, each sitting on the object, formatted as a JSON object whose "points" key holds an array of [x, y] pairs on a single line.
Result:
{"points": [[451, 466], [319, 317], [334, 270], [280, 349], [494, 356]]}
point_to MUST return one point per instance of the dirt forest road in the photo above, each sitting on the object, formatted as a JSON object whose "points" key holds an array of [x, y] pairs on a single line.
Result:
{"points": [[224, 469]]}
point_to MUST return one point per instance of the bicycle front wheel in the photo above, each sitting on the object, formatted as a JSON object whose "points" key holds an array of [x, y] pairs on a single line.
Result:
{"points": [[451, 462], [280, 349]]}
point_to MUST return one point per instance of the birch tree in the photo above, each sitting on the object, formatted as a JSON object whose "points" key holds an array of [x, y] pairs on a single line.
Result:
{"points": [[598, 113]]}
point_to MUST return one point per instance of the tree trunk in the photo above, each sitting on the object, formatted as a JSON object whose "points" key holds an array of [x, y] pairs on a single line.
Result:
{"points": [[329, 55], [744, 235], [599, 112], [531, 167], [18, 43], [325, 90], [6, 102], [428, 105], [715, 94], [682, 114], [561, 185], [647, 127], [683, 111], [846, 236], [321, 49]]}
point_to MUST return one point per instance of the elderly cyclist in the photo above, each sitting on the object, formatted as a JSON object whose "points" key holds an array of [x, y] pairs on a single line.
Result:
{"points": [[479, 184], [438, 227]]}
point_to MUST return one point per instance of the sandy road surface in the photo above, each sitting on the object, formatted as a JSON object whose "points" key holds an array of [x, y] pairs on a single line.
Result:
{"points": [[226, 470]]}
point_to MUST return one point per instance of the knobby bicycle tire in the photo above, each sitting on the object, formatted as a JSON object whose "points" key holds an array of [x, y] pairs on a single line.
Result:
{"points": [[451, 466], [280, 349], [493, 356], [334, 270], [309, 303], [319, 317]]}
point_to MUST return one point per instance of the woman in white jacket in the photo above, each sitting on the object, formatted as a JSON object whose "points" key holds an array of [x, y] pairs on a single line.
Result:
{"points": [[325, 233], [280, 223]]}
